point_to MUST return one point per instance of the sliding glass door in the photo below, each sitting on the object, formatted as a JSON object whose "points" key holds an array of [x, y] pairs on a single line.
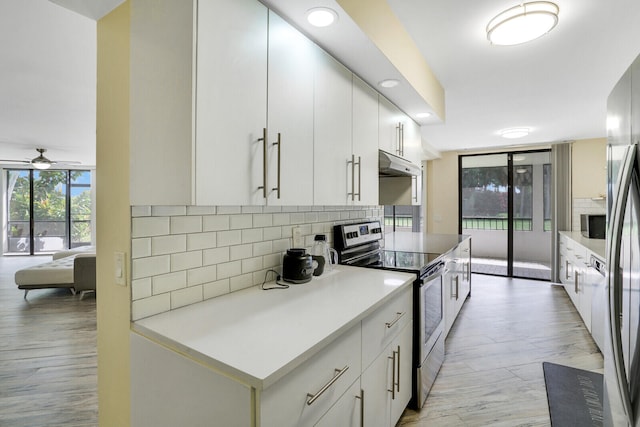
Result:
{"points": [[47, 210], [505, 207], [532, 215]]}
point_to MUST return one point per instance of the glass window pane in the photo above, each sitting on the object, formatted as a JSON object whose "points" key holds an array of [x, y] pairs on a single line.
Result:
{"points": [[18, 196], [49, 210], [80, 208]]}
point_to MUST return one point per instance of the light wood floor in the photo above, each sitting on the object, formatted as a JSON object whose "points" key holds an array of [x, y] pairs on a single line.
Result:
{"points": [[492, 375], [48, 361]]}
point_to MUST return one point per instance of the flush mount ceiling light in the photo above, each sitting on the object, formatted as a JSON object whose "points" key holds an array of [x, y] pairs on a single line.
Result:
{"points": [[513, 133], [423, 115], [321, 16], [389, 83], [522, 170], [522, 23]]}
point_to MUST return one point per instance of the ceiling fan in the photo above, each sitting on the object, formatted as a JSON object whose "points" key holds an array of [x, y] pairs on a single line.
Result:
{"points": [[39, 162]]}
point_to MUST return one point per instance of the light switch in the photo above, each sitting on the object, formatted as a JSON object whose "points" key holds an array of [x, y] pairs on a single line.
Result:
{"points": [[120, 270]]}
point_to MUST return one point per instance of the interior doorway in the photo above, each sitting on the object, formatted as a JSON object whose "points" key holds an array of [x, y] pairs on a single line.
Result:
{"points": [[505, 205]]}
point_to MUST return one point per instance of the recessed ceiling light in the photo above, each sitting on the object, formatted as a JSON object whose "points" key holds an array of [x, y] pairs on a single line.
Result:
{"points": [[423, 115], [321, 16], [523, 23], [389, 83], [513, 133]]}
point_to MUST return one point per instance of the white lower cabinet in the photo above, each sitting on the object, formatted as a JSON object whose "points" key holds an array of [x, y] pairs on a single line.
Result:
{"points": [[386, 383], [456, 282], [168, 389], [362, 375], [574, 260]]}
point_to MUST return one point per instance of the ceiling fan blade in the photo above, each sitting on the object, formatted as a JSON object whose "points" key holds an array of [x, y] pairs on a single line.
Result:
{"points": [[14, 161], [66, 162]]}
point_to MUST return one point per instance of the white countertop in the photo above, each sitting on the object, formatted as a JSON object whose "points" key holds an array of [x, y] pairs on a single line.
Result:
{"points": [[407, 241], [597, 246], [259, 336]]}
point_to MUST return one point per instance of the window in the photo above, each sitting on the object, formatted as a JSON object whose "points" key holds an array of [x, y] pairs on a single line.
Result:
{"points": [[402, 218], [48, 210]]}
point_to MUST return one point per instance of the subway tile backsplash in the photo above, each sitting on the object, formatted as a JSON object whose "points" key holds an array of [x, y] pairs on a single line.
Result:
{"points": [[182, 255], [586, 206]]}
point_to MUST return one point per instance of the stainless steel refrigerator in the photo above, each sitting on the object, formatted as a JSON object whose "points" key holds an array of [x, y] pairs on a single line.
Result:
{"points": [[621, 352]]}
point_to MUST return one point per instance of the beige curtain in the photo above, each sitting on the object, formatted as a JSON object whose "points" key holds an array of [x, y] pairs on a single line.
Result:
{"points": [[560, 199]]}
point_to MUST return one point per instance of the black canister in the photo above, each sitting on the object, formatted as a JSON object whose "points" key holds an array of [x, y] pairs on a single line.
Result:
{"points": [[297, 266]]}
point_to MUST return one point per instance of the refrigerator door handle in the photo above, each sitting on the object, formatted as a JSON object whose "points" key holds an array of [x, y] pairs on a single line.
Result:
{"points": [[614, 244]]}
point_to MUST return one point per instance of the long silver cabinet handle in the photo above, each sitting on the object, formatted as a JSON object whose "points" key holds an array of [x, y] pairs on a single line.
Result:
{"points": [[338, 373], [414, 187], [278, 143], [352, 162], [401, 139], [576, 276], [393, 375], [399, 315], [359, 164], [263, 187], [456, 279], [361, 397], [398, 376]]}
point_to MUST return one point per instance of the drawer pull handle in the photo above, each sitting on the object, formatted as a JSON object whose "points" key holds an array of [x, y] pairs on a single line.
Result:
{"points": [[392, 390], [361, 398], [399, 315], [338, 374]]}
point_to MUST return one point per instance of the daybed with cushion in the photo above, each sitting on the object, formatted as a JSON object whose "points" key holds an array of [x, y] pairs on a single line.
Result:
{"points": [[76, 272]]}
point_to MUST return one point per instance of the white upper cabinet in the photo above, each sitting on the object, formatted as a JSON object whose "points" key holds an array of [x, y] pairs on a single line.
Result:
{"points": [[161, 102], [389, 121], [231, 102], [292, 60], [332, 131], [365, 149]]}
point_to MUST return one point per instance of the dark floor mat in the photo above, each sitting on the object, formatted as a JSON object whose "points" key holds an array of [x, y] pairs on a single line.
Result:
{"points": [[574, 396]]}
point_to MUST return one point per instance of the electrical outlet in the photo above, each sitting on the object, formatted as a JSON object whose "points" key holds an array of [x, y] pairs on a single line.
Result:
{"points": [[120, 268], [298, 240]]}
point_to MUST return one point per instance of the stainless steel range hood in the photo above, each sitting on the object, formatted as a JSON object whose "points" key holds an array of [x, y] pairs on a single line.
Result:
{"points": [[391, 165]]}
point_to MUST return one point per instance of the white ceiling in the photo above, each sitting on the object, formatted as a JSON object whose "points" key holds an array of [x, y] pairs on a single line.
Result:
{"points": [[556, 85], [47, 82]]}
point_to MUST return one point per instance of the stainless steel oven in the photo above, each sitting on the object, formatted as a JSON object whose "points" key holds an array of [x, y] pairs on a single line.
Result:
{"points": [[359, 245], [430, 339]]}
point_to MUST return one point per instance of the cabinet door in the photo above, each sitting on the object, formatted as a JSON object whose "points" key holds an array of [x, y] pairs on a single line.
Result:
{"points": [[231, 102], [365, 142], [412, 140], [389, 116], [376, 383], [292, 61], [449, 280], [404, 346], [161, 102], [332, 132], [346, 411], [386, 383], [585, 296]]}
